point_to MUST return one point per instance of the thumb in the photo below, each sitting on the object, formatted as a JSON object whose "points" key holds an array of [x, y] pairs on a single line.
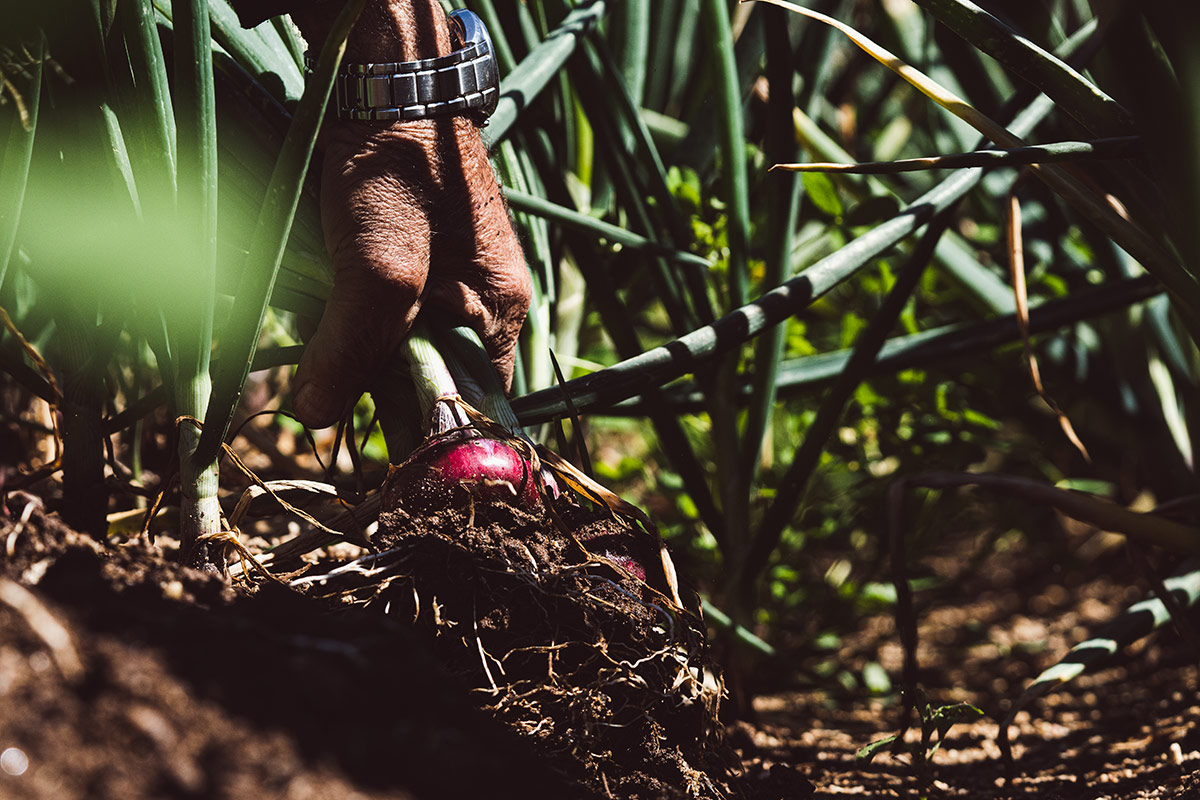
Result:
{"points": [[361, 325]]}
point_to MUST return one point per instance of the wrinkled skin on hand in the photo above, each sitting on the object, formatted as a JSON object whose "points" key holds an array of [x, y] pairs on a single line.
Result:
{"points": [[414, 221]]}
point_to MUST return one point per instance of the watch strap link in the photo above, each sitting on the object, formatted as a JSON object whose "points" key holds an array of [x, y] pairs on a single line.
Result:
{"points": [[464, 82]]}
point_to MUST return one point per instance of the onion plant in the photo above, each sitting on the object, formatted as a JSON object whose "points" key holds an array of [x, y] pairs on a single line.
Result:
{"points": [[750, 315]]}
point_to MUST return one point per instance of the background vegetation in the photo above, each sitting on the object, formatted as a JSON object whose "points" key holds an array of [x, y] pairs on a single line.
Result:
{"points": [[758, 356]]}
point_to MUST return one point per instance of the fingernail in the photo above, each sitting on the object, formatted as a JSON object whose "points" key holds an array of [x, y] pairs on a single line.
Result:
{"points": [[316, 406]]}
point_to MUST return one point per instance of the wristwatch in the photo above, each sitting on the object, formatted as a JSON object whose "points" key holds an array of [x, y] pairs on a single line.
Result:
{"points": [[464, 82]]}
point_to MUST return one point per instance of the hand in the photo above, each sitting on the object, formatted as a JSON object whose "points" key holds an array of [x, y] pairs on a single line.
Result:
{"points": [[413, 220]]}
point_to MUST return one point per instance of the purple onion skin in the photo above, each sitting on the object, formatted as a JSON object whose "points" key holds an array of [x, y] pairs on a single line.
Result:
{"points": [[628, 563], [620, 549], [458, 471], [464, 469]]}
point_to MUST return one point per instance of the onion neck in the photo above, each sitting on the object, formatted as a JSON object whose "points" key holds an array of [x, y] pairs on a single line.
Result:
{"points": [[469, 360], [437, 394]]}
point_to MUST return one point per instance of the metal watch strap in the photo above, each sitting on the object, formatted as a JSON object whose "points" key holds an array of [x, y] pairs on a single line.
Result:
{"points": [[463, 82]]}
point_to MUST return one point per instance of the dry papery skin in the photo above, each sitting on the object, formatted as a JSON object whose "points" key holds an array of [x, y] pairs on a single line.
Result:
{"points": [[600, 671]]}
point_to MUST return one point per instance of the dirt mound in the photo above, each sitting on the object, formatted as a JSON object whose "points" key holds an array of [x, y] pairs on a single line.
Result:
{"points": [[569, 639], [477, 653], [124, 675]]}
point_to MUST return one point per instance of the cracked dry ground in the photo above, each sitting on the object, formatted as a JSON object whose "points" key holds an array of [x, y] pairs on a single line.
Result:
{"points": [[123, 675]]}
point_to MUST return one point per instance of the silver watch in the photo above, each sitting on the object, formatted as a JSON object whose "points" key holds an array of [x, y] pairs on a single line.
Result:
{"points": [[464, 82]]}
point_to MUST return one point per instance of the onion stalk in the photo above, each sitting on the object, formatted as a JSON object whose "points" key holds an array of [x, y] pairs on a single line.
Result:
{"points": [[471, 458]]}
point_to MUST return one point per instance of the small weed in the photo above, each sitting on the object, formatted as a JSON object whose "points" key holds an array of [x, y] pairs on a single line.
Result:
{"points": [[936, 722]]}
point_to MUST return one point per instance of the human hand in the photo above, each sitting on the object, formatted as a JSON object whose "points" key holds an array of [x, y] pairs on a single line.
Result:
{"points": [[414, 221]]}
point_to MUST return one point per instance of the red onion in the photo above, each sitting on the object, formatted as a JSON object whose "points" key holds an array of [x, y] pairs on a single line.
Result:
{"points": [[460, 463], [462, 466], [457, 470]]}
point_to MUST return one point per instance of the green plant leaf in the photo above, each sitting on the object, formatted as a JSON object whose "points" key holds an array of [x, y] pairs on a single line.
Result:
{"points": [[805, 460], [189, 326], [1135, 622], [823, 194], [665, 363], [267, 58], [714, 15], [943, 718], [1074, 93], [155, 165], [14, 161], [876, 678], [119, 155], [876, 747], [1113, 148], [523, 201], [1146, 527], [722, 620], [530, 77], [1134, 239], [782, 215], [955, 257], [271, 234], [872, 211]]}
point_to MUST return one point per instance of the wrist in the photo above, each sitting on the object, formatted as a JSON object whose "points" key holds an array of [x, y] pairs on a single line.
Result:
{"points": [[387, 30], [446, 65]]}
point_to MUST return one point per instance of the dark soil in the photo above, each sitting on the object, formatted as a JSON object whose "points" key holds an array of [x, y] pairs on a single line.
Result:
{"points": [[125, 675], [185, 688]]}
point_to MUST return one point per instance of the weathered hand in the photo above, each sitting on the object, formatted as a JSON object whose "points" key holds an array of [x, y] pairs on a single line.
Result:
{"points": [[414, 220]]}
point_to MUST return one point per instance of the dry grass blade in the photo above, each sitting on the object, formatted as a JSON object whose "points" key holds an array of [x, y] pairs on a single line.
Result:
{"points": [[241, 467], [1112, 148], [230, 538], [35, 356], [1016, 260], [309, 540], [273, 489], [18, 101], [152, 512], [304, 515], [32, 503], [919, 80]]}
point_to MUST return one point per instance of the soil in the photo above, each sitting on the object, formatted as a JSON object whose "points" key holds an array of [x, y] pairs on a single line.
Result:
{"points": [[126, 675]]}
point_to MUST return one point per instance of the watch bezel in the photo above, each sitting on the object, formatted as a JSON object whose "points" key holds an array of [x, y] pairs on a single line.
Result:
{"points": [[474, 31]]}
